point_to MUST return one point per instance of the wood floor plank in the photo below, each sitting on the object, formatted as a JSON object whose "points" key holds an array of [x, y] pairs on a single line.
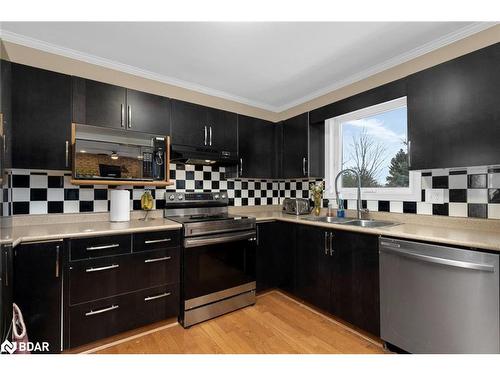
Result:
{"points": [[276, 324]]}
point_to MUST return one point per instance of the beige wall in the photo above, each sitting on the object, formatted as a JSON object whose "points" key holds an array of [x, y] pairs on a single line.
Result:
{"points": [[45, 60]]}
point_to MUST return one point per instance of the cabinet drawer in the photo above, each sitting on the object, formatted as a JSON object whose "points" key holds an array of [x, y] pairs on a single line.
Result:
{"points": [[95, 247], [156, 240], [105, 277], [96, 320]]}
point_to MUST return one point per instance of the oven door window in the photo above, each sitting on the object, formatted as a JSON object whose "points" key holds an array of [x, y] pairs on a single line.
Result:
{"points": [[213, 268]]}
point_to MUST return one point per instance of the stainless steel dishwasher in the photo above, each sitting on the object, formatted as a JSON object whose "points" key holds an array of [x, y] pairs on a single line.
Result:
{"points": [[438, 299]]}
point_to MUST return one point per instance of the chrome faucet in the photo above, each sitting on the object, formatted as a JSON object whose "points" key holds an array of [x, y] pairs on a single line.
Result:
{"points": [[359, 188]]}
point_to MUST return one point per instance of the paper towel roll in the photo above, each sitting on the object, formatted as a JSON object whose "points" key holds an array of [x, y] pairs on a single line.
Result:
{"points": [[120, 205]]}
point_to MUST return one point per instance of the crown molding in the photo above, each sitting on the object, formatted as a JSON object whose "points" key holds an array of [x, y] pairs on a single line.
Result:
{"points": [[390, 63], [395, 61], [125, 68]]}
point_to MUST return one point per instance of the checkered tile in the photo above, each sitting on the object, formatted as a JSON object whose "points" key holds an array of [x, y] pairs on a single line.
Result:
{"points": [[469, 192]]}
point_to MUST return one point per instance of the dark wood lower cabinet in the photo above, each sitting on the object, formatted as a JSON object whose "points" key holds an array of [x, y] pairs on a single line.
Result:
{"points": [[106, 317], [355, 280], [275, 256], [135, 284], [313, 266], [336, 271], [38, 290]]}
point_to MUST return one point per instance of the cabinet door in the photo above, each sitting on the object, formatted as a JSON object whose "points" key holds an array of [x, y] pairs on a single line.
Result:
{"points": [[99, 104], [148, 113], [295, 139], [41, 117], [37, 290], [275, 256], [189, 124], [313, 266], [6, 285], [454, 112], [257, 148], [355, 280], [6, 110], [223, 130]]}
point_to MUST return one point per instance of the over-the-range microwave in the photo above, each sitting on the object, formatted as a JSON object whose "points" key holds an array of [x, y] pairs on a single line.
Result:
{"points": [[109, 154]]}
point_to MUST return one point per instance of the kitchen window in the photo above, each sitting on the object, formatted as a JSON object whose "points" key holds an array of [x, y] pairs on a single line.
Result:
{"points": [[374, 142]]}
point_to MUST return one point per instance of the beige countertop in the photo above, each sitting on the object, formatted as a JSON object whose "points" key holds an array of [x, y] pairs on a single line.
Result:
{"points": [[481, 234], [471, 233], [41, 232]]}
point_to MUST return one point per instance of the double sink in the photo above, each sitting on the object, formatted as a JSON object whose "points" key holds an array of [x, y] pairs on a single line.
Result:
{"points": [[350, 221]]}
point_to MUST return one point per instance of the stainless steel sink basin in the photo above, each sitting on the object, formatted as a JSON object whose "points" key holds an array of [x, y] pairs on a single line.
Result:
{"points": [[370, 223], [328, 219], [350, 221]]}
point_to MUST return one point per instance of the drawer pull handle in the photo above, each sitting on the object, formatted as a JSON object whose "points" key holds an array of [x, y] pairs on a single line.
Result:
{"points": [[97, 269], [157, 259], [112, 246], [110, 308], [157, 296], [148, 242]]}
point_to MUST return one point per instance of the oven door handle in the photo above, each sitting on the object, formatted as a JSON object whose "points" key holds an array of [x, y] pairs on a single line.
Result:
{"points": [[220, 238]]}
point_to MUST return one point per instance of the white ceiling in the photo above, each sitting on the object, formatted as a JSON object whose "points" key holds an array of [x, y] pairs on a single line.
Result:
{"points": [[273, 66]]}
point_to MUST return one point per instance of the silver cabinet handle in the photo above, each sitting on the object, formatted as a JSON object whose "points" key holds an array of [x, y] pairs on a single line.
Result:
{"points": [[147, 242], [219, 238], [304, 166], [110, 308], [205, 141], [409, 153], [129, 116], [326, 243], [442, 261], [152, 260], [97, 269], [163, 295], [241, 167], [122, 115], [390, 244], [92, 248], [57, 261], [5, 254], [210, 138], [331, 244], [67, 154]]}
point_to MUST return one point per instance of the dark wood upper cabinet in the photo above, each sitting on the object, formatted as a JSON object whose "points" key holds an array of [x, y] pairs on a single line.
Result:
{"points": [[224, 128], [454, 112], [6, 110], [148, 113], [38, 290], [313, 266], [258, 148], [355, 280], [203, 127], [189, 124], [99, 104], [295, 147], [41, 118]]}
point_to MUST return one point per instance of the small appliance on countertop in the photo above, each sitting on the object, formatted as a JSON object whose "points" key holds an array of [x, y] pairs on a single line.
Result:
{"points": [[296, 206], [218, 255]]}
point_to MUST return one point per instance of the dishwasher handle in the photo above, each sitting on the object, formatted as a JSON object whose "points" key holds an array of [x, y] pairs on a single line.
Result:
{"points": [[432, 259]]}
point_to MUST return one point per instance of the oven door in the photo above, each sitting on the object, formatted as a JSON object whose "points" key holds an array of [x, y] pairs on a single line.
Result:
{"points": [[217, 267]]}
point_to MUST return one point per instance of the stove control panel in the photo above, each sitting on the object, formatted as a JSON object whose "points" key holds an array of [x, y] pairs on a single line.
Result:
{"points": [[219, 197]]}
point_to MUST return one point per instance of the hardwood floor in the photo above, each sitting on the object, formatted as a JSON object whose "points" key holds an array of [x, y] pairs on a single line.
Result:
{"points": [[277, 324]]}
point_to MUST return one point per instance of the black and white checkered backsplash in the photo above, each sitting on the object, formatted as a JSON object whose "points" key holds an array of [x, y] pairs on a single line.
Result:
{"points": [[42, 192], [469, 192]]}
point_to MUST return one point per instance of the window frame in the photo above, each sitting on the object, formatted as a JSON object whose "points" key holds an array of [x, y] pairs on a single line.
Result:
{"points": [[333, 158]]}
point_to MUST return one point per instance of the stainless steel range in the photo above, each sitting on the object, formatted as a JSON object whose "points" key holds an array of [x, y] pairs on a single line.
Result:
{"points": [[218, 255]]}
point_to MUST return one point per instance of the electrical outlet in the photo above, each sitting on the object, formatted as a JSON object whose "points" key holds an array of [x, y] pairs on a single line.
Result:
{"points": [[435, 196]]}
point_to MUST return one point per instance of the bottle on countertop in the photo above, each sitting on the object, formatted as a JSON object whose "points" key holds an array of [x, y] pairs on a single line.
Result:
{"points": [[340, 209]]}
